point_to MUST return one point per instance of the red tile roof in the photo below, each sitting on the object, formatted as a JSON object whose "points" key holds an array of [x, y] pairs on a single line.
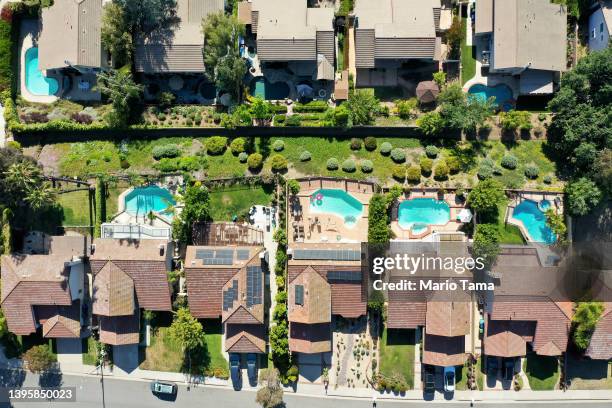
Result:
{"points": [[310, 338], [245, 338], [507, 338], [444, 351], [600, 347], [62, 321], [120, 330]]}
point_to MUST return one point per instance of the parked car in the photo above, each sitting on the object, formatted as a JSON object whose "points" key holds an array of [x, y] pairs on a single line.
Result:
{"points": [[492, 366], [508, 367], [430, 383], [449, 379], [252, 368], [158, 387], [235, 372]]}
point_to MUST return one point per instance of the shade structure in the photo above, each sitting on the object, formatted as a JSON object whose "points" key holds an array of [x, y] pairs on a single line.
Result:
{"points": [[464, 215], [427, 91], [304, 92]]}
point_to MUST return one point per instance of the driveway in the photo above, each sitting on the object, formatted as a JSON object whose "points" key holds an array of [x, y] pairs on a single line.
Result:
{"points": [[125, 358], [70, 355]]}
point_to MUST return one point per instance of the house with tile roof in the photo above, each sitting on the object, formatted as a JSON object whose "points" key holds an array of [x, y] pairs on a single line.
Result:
{"points": [[527, 311], [177, 49], [322, 283], [70, 36], [290, 33], [389, 34], [526, 38], [227, 282], [128, 275], [600, 347], [45, 291]]}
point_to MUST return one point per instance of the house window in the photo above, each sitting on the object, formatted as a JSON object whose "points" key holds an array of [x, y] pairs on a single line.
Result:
{"points": [[601, 28], [594, 33], [299, 295]]}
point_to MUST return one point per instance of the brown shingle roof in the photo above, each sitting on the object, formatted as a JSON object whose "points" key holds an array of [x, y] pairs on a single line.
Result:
{"points": [[309, 338], [36, 280], [507, 338], [316, 305], [60, 321], [120, 330], [205, 283], [113, 292], [444, 351], [600, 347], [448, 319], [245, 338]]}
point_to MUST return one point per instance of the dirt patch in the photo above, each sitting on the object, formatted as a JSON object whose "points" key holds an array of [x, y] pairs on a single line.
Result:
{"points": [[195, 147], [49, 158]]}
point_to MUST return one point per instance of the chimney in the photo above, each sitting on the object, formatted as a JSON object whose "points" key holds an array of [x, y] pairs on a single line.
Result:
{"points": [[161, 249], [93, 249]]}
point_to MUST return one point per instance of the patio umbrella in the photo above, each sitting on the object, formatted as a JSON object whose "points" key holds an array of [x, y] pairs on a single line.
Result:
{"points": [[305, 91], [427, 91], [464, 215], [176, 83]]}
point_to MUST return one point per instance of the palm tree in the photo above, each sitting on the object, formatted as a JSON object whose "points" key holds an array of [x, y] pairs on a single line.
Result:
{"points": [[40, 197], [23, 175]]}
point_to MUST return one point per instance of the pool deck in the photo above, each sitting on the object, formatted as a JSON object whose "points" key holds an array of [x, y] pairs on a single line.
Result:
{"points": [[451, 226], [309, 227]]}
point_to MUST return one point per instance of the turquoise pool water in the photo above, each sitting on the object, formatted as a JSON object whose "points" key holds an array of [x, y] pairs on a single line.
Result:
{"points": [[534, 221], [261, 88], [143, 200], [337, 202], [36, 83], [502, 94], [419, 212]]}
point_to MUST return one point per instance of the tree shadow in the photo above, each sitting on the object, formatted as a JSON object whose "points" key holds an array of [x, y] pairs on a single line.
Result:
{"points": [[196, 360], [51, 379]]}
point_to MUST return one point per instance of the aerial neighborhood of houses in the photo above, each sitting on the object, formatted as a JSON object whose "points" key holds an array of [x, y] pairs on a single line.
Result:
{"points": [[265, 195]]}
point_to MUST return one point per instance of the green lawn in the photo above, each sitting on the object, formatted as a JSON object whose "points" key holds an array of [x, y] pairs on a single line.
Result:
{"points": [[508, 233], [90, 354], [236, 200], [461, 380], [542, 371], [397, 354], [468, 62], [164, 354], [75, 207]]}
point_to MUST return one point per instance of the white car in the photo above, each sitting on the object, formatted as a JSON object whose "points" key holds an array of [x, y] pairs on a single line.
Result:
{"points": [[449, 379]]}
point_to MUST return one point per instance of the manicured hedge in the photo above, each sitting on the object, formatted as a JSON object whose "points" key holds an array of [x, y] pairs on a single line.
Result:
{"points": [[6, 45], [314, 106]]}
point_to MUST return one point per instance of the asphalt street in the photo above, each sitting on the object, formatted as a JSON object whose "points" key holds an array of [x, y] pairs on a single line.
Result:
{"points": [[136, 394]]}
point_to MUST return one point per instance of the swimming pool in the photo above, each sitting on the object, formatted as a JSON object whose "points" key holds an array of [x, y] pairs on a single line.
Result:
{"points": [[142, 200], [36, 83], [262, 88], [534, 221], [337, 202], [418, 213], [502, 94]]}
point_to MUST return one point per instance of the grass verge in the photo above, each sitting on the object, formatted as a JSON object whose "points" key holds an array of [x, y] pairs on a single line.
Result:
{"points": [[397, 354]]}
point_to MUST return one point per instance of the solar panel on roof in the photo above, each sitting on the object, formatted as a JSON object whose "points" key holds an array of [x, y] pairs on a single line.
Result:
{"points": [[254, 285], [242, 254], [299, 295], [230, 295], [350, 276], [327, 254], [224, 253], [204, 253], [217, 261]]}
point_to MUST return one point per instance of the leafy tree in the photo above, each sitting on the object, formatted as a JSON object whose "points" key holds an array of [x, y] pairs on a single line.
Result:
{"points": [[223, 65], [439, 78], [148, 16], [196, 209], [119, 87], [584, 322], [485, 198], [575, 8], [582, 196], [583, 113], [556, 224], [260, 109], [514, 119], [602, 170], [486, 242], [271, 394], [376, 302], [294, 186], [39, 359], [430, 123], [362, 106], [187, 330], [115, 34], [406, 109], [460, 112], [26, 178], [454, 36], [378, 229], [341, 116]]}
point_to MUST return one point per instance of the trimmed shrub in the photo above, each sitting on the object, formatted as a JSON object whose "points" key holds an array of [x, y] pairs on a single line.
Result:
{"points": [[366, 166], [532, 171], [454, 165], [166, 151], [441, 171], [167, 165], [398, 155], [215, 145], [413, 174], [426, 165], [348, 165], [293, 120], [509, 162], [278, 163], [356, 144], [243, 157], [278, 146], [541, 117], [406, 108], [332, 164], [255, 161], [431, 151], [485, 172], [547, 179], [189, 163], [314, 106], [305, 156], [385, 148], [487, 162], [238, 146], [370, 143], [399, 173]]}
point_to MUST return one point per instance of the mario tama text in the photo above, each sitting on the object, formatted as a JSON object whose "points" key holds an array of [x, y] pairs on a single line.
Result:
{"points": [[426, 285]]}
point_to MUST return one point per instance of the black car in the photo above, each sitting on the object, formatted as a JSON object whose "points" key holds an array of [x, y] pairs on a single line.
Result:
{"points": [[492, 366], [508, 369], [235, 372], [429, 383], [252, 368]]}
